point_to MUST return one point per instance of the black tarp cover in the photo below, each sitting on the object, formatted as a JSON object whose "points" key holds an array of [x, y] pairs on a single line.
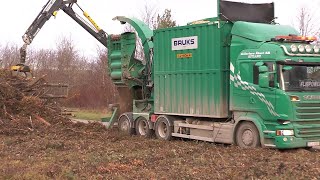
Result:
{"points": [[236, 11]]}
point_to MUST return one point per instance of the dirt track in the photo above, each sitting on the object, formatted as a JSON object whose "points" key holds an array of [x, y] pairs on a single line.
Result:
{"points": [[89, 151]]}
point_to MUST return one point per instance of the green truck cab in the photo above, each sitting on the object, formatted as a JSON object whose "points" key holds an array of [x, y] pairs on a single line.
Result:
{"points": [[275, 82], [217, 80]]}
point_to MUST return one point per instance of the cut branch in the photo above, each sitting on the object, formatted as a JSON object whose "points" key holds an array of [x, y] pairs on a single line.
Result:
{"points": [[42, 120]]}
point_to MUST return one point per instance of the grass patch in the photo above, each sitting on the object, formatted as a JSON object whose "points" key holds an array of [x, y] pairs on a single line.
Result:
{"points": [[89, 114]]}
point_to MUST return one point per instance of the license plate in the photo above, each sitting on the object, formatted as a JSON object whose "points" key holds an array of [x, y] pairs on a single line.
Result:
{"points": [[310, 144]]}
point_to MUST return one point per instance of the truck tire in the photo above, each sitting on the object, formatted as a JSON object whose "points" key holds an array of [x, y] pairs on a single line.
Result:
{"points": [[142, 127], [124, 124], [247, 135], [163, 129]]}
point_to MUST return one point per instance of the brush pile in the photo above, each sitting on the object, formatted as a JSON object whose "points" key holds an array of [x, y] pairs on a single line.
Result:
{"points": [[21, 108]]}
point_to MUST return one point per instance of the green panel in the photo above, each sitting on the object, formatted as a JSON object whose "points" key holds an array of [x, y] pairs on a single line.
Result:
{"points": [[194, 86], [261, 32]]}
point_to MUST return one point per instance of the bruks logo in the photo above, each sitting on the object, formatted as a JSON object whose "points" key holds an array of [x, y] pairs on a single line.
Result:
{"points": [[185, 43]]}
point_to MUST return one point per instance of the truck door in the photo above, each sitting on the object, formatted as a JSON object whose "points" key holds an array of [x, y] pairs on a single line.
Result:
{"points": [[265, 97], [247, 95]]}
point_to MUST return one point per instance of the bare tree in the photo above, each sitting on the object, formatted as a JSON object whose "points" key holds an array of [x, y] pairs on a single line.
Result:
{"points": [[9, 55], [92, 86], [66, 54], [148, 14], [42, 60], [306, 22]]}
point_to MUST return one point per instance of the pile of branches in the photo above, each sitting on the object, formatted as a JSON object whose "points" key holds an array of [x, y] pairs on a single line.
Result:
{"points": [[22, 112]]}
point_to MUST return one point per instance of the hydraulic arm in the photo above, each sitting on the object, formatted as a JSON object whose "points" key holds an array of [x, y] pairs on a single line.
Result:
{"points": [[50, 9]]}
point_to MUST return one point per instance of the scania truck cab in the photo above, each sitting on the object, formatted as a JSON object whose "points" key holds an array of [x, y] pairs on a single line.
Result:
{"points": [[275, 80]]}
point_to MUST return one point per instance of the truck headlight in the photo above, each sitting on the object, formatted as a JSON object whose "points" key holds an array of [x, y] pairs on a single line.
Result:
{"points": [[316, 49], [284, 132], [293, 48], [301, 48], [308, 48]]}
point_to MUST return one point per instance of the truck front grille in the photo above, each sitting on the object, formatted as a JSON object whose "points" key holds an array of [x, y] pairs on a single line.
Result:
{"points": [[307, 122]]}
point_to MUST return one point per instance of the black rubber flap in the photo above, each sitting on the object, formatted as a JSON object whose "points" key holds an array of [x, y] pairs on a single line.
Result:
{"points": [[236, 11]]}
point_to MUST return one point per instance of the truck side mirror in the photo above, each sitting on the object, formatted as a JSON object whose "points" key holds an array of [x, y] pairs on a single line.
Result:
{"points": [[263, 69], [263, 77], [264, 80]]}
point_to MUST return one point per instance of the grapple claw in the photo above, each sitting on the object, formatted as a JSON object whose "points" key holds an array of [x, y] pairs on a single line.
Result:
{"points": [[21, 70]]}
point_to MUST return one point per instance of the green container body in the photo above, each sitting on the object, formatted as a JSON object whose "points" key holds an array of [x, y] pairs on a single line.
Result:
{"points": [[196, 83]]}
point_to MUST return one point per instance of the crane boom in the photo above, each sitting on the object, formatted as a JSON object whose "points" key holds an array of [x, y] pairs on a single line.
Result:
{"points": [[45, 14], [50, 9], [92, 28]]}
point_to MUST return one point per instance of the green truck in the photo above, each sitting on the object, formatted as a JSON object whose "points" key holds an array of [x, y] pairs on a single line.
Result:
{"points": [[246, 82], [239, 78]]}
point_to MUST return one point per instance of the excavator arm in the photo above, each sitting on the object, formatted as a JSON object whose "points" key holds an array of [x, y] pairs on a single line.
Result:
{"points": [[50, 9], [90, 26]]}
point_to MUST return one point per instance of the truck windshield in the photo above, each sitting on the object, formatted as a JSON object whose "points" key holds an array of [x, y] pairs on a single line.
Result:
{"points": [[300, 78]]}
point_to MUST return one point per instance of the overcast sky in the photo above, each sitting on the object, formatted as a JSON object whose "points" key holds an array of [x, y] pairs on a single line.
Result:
{"points": [[17, 15]]}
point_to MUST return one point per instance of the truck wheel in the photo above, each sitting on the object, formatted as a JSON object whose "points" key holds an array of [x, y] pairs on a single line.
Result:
{"points": [[124, 125], [142, 127], [163, 129], [247, 135]]}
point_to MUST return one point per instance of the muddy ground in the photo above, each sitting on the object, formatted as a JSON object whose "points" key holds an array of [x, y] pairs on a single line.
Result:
{"points": [[38, 143], [82, 151]]}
